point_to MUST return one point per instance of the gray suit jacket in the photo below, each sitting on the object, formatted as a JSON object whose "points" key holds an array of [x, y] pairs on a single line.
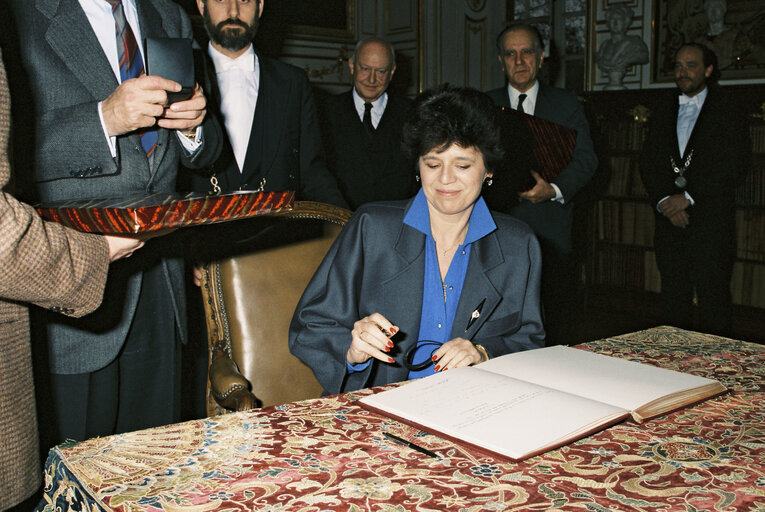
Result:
{"points": [[550, 220], [69, 74], [377, 264]]}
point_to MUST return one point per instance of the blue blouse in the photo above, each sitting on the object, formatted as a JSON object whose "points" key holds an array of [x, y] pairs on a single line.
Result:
{"points": [[440, 299]]}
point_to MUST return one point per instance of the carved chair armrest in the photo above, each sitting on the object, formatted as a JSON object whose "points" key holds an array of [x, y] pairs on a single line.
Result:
{"points": [[230, 388]]}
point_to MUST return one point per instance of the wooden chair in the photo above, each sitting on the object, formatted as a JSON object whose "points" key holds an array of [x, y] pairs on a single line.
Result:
{"points": [[249, 300]]}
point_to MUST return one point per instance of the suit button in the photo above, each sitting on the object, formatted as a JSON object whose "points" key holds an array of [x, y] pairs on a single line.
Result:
{"points": [[150, 189], [55, 309]]}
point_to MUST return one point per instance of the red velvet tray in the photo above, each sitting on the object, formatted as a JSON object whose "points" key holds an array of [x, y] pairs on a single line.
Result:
{"points": [[163, 211]]}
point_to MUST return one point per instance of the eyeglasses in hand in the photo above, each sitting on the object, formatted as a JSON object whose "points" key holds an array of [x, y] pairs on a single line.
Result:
{"points": [[409, 356]]}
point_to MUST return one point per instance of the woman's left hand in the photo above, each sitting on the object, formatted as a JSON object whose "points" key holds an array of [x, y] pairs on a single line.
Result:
{"points": [[456, 353]]}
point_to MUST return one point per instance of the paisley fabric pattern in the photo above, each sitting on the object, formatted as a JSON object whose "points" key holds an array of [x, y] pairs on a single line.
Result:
{"points": [[329, 454]]}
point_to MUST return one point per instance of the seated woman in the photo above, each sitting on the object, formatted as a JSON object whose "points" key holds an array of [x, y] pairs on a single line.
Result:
{"points": [[432, 283]]}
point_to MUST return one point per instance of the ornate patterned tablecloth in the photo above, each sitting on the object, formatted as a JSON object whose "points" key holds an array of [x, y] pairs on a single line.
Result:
{"points": [[329, 454]]}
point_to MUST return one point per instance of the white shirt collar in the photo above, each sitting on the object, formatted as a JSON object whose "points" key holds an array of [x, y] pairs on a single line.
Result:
{"points": [[224, 63], [530, 103], [696, 99], [378, 106]]}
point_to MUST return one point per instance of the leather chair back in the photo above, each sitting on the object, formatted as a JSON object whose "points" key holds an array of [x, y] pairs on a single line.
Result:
{"points": [[249, 301]]}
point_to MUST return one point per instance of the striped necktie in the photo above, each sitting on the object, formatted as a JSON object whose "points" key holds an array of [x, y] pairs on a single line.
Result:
{"points": [[131, 65]]}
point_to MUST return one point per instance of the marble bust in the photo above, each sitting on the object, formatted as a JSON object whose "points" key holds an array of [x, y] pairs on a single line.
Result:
{"points": [[620, 51]]}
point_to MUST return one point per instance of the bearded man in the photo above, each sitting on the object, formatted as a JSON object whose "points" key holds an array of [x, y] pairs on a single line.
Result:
{"points": [[267, 108], [695, 155]]}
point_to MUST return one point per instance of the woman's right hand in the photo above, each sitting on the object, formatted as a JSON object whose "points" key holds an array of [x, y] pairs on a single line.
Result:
{"points": [[370, 337]]}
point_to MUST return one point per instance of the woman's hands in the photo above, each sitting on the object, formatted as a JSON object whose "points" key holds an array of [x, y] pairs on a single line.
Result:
{"points": [[455, 354], [370, 337]]}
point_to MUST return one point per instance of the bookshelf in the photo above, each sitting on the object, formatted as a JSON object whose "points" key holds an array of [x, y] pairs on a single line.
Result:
{"points": [[617, 221]]}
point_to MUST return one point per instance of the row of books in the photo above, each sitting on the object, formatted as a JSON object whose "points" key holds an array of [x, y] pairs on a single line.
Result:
{"points": [[621, 135], [633, 222], [629, 135], [757, 133], [625, 182], [752, 191], [750, 234], [627, 267], [748, 284], [625, 178], [625, 222], [634, 268]]}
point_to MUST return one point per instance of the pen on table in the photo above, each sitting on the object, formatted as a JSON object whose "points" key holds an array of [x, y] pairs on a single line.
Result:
{"points": [[411, 445]]}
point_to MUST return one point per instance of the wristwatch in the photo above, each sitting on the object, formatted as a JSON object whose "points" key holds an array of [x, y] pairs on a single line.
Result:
{"points": [[483, 351]]}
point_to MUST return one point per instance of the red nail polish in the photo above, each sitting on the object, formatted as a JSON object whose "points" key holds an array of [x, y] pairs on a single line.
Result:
{"points": [[390, 360], [387, 349], [393, 331], [390, 344], [435, 358], [437, 367], [446, 369]]}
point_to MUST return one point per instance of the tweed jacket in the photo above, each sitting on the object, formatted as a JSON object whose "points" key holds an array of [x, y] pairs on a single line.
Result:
{"points": [[377, 264], [68, 75], [52, 267]]}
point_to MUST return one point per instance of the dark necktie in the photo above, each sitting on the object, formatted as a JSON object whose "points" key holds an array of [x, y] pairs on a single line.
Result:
{"points": [[367, 122], [131, 65], [520, 103]]}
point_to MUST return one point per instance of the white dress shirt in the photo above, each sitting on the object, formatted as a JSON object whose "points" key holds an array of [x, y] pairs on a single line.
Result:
{"points": [[688, 112], [530, 103], [99, 14], [378, 107], [529, 106], [238, 82]]}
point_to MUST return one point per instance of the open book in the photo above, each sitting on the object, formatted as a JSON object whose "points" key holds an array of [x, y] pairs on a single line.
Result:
{"points": [[523, 404]]}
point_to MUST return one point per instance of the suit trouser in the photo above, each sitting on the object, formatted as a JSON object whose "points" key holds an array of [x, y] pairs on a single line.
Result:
{"points": [[558, 294], [687, 264], [139, 389]]}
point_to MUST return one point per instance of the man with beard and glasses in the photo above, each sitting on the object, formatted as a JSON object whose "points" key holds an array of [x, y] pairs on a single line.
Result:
{"points": [[697, 151], [267, 108]]}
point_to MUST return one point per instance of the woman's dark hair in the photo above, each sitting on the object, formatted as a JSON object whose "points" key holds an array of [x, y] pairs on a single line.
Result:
{"points": [[447, 115]]}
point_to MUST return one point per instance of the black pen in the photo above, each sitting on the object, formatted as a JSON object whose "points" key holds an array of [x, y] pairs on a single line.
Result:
{"points": [[409, 444]]}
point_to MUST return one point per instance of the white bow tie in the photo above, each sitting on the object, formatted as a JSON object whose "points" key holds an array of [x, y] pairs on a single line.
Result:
{"points": [[243, 64], [689, 100]]}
